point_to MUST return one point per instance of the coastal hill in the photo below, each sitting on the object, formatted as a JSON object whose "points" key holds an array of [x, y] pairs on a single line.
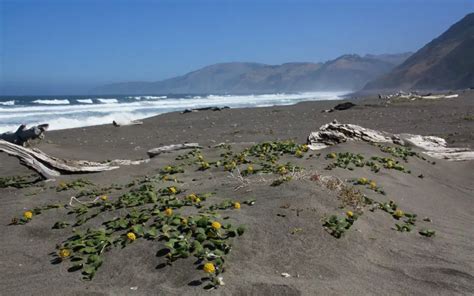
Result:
{"points": [[447, 62], [348, 72]]}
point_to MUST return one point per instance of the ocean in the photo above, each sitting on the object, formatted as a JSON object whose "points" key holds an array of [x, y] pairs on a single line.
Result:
{"points": [[62, 112]]}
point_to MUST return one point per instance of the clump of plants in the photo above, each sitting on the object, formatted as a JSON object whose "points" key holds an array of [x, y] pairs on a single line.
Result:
{"points": [[76, 184], [387, 163], [337, 226], [345, 160], [153, 212], [370, 184], [19, 181], [398, 151]]}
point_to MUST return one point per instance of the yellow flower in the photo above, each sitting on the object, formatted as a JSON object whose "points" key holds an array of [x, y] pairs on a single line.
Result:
{"points": [[28, 215], [172, 190], [209, 268], [363, 181], [216, 225], [104, 197], [131, 236], [298, 153], [250, 169], [304, 148], [236, 205], [184, 221], [197, 200], [282, 170], [192, 197], [165, 177], [398, 213], [168, 212], [168, 168], [390, 164], [350, 214], [64, 253], [373, 185], [332, 155], [200, 157]]}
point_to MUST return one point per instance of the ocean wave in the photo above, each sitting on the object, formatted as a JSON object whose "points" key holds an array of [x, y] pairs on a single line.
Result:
{"points": [[78, 115], [85, 101], [107, 101], [138, 98], [52, 102], [7, 103]]}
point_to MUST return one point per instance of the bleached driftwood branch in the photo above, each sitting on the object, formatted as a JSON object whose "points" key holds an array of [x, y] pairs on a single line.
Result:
{"points": [[414, 96], [48, 166], [163, 149], [335, 133]]}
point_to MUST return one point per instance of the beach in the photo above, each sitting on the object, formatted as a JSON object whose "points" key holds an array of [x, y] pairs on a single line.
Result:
{"points": [[285, 231]]}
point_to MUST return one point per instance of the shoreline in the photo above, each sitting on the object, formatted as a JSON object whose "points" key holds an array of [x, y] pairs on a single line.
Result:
{"points": [[73, 111]]}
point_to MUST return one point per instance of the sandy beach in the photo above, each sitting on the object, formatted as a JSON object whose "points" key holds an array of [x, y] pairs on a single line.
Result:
{"points": [[284, 228]]}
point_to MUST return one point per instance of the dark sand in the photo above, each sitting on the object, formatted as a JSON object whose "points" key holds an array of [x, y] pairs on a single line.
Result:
{"points": [[371, 259]]}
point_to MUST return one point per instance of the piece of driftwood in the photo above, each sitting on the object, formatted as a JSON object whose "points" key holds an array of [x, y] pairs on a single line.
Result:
{"points": [[415, 96], [48, 166], [205, 109], [340, 107], [131, 122], [23, 135], [335, 133], [163, 149]]}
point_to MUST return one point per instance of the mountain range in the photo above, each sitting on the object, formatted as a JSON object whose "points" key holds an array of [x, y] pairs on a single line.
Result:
{"points": [[447, 62], [347, 72]]}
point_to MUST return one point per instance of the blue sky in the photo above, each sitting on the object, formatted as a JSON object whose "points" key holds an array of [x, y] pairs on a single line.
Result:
{"points": [[69, 46]]}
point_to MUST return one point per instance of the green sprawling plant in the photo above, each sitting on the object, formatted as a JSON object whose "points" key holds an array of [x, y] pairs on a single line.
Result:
{"points": [[19, 181], [337, 226]]}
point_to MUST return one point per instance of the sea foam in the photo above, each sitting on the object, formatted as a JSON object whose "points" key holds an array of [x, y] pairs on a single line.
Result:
{"points": [[52, 102], [105, 110], [7, 103]]}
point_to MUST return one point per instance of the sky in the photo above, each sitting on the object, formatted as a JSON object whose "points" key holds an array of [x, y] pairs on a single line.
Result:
{"points": [[71, 46]]}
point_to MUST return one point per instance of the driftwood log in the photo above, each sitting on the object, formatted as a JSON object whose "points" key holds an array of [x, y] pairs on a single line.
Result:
{"points": [[340, 107], [48, 166], [205, 109], [23, 135], [415, 96], [335, 133], [169, 148]]}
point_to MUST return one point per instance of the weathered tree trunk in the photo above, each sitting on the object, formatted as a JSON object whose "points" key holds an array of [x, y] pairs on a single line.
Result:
{"points": [[335, 133], [48, 166], [163, 149], [23, 135]]}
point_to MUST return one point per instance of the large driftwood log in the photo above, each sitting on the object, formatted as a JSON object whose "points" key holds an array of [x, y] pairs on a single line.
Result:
{"points": [[335, 133], [48, 166], [163, 149], [23, 135], [414, 96]]}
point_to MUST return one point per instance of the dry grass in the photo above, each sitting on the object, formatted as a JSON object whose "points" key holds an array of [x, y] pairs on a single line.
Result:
{"points": [[352, 197]]}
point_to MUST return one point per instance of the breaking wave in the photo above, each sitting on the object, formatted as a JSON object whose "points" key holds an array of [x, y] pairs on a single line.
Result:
{"points": [[60, 114], [85, 101], [8, 103], [107, 101], [52, 102]]}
